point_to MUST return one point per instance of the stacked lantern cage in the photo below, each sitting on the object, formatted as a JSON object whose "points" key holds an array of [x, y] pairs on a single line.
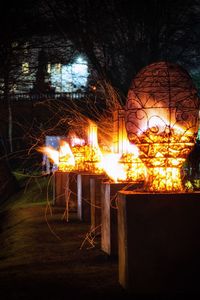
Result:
{"points": [[135, 169], [162, 120], [135, 176], [119, 130], [158, 227], [77, 166]]}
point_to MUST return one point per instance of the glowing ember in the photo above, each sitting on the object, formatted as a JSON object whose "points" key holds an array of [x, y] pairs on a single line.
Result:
{"points": [[79, 156], [162, 179], [164, 155], [134, 168]]}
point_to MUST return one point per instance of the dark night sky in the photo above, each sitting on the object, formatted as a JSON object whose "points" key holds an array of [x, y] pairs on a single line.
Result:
{"points": [[31, 14], [128, 34]]}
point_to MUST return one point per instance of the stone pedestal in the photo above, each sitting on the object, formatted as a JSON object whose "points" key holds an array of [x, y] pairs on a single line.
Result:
{"points": [[159, 242]]}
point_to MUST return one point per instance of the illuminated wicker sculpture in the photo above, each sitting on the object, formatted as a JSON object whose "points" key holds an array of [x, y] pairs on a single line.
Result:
{"points": [[162, 120]]}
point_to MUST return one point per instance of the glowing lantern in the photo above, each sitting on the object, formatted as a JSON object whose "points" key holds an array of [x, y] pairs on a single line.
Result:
{"points": [[162, 120]]}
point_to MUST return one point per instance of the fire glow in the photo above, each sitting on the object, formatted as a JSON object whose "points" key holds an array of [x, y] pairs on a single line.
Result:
{"points": [[165, 159], [88, 156], [162, 120], [164, 149]]}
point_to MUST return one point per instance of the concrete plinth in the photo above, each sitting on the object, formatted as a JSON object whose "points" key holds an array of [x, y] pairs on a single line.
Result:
{"points": [[64, 185], [109, 232], [159, 242]]}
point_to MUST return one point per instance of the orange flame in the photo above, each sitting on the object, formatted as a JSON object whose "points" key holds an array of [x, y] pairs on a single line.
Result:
{"points": [[75, 140], [92, 135], [88, 157], [112, 167], [121, 167], [66, 157], [93, 155], [51, 153]]}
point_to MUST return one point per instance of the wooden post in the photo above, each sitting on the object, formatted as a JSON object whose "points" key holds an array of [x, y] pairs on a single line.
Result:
{"points": [[109, 231], [83, 193], [64, 185], [60, 188], [159, 242], [84, 196], [73, 191], [95, 198]]}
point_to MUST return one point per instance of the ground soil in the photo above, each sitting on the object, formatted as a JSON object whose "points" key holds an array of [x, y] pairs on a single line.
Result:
{"points": [[40, 257]]}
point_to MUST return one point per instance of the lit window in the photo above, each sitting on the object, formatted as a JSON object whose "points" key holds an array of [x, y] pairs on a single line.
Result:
{"points": [[49, 68], [58, 67], [25, 68], [80, 60], [71, 77]]}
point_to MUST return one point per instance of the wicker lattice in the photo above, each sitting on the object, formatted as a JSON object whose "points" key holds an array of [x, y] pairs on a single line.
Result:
{"points": [[162, 114]]}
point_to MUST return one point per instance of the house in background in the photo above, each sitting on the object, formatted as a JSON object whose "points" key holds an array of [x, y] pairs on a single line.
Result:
{"points": [[44, 64]]}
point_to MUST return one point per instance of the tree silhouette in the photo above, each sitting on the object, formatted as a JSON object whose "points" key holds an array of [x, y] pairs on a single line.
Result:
{"points": [[41, 84]]}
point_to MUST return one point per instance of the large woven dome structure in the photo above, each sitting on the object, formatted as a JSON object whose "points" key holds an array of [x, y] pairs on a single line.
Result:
{"points": [[156, 87], [161, 114]]}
